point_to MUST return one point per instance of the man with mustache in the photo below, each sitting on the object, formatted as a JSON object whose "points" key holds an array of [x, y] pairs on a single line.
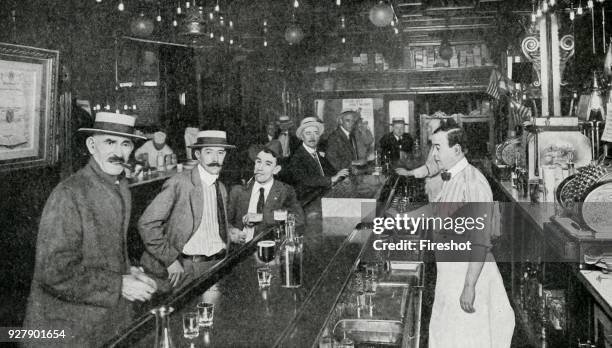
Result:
{"points": [[184, 229], [154, 148], [262, 195], [309, 170], [83, 282]]}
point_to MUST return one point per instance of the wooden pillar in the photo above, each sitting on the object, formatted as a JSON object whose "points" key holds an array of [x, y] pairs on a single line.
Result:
{"points": [[544, 66], [555, 66]]}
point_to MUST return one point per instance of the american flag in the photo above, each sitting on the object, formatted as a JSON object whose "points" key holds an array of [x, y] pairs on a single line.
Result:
{"points": [[520, 112], [493, 88]]}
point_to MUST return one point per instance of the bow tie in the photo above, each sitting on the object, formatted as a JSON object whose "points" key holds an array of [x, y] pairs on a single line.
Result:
{"points": [[446, 176]]}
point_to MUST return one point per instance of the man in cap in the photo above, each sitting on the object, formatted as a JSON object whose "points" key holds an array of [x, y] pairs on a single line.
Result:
{"points": [[262, 195], [288, 140], [341, 143], [308, 169], [271, 133], [83, 281], [184, 229], [397, 143], [153, 148]]}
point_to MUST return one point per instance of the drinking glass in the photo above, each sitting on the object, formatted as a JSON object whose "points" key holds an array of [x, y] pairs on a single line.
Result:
{"points": [[280, 216], [266, 250], [205, 314], [190, 325], [264, 276]]}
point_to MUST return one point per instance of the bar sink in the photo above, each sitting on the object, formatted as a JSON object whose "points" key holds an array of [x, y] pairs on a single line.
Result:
{"points": [[369, 331]]}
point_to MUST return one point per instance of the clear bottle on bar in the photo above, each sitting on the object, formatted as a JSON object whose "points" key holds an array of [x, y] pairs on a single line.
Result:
{"points": [[291, 252]]}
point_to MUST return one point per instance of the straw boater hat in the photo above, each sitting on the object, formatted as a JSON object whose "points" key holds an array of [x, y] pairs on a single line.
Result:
{"points": [[310, 122], [212, 138], [284, 120], [114, 124], [395, 120]]}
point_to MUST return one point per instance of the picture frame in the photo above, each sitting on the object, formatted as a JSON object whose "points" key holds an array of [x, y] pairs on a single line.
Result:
{"points": [[28, 95]]}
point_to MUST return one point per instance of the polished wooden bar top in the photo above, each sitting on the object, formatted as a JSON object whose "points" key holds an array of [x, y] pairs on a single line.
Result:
{"points": [[246, 316]]}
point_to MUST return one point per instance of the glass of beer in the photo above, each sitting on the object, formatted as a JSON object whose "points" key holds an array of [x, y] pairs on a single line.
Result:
{"points": [[266, 250], [280, 216]]}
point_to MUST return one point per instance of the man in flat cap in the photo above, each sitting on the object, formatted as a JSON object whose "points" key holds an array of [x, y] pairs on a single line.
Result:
{"points": [[83, 282], [185, 229], [309, 170]]}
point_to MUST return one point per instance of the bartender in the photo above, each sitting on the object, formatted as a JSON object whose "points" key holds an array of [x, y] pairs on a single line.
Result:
{"points": [[153, 148]]}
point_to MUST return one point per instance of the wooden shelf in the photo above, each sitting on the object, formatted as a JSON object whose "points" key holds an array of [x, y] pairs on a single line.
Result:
{"points": [[430, 80]]}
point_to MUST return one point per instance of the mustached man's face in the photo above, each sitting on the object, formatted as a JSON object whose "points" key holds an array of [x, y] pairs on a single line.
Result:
{"points": [[211, 159], [311, 136], [107, 150]]}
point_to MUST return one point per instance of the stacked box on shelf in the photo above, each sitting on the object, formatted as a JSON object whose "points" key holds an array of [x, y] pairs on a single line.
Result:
{"points": [[477, 55], [419, 59]]}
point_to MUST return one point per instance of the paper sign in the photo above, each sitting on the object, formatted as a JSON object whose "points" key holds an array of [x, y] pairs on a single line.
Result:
{"points": [[607, 133]]}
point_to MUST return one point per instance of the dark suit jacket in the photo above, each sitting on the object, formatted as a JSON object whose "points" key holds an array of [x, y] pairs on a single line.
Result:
{"points": [[391, 147], [280, 196], [305, 172], [81, 257], [341, 150], [172, 218]]}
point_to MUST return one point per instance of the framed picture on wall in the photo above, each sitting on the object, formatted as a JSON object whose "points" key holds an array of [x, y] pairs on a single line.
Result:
{"points": [[28, 88]]}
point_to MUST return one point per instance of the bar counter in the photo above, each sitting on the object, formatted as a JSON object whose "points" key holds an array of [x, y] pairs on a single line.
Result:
{"points": [[246, 316]]}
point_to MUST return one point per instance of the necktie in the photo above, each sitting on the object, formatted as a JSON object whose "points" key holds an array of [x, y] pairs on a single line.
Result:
{"points": [[446, 176], [220, 212], [261, 201], [314, 154]]}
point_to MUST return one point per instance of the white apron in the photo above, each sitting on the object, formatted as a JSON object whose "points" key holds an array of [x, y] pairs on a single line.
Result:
{"points": [[492, 323]]}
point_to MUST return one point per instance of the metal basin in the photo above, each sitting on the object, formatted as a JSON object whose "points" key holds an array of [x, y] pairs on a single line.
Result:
{"points": [[371, 331]]}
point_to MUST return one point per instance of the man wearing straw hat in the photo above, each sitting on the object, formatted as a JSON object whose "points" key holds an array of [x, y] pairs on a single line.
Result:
{"points": [[309, 170], [185, 229], [83, 281]]}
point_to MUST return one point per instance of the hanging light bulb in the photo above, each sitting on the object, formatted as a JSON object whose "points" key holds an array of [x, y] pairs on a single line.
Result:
{"points": [[212, 35], [174, 23], [534, 18], [579, 9], [211, 16], [98, 1], [265, 43], [265, 23], [342, 23], [552, 3], [296, 4], [396, 31], [231, 25], [121, 6], [572, 15], [217, 8], [343, 40], [539, 12], [590, 4], [231, 42], [187, 4], [221, 38], [544, 6], [179, 10], [221, 21], [158, 18], [392, 23], [338, 2]]}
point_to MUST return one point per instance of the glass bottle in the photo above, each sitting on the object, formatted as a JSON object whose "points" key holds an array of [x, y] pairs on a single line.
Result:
{"points": [[163, 337], [291, 252]]}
